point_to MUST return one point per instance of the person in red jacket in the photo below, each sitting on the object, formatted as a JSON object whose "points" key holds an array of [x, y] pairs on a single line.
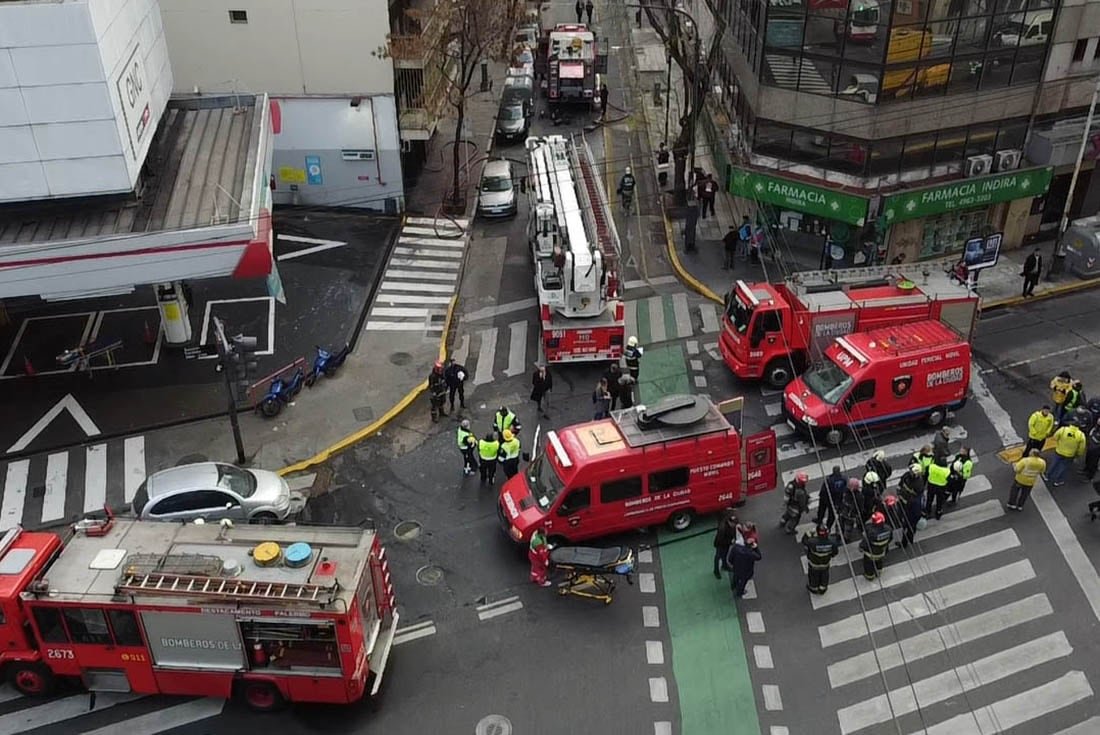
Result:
{"points": [[538, 553]]}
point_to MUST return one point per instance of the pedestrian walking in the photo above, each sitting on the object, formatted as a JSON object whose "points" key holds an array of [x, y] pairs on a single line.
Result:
{"points": [[796, 501], [830, 498], [941, 441], [875, 544], [1033, 269], [938, 474], [742, 560], [1028, 470], [455, 374], [820, 547], [1040, 426], [626, 189], [744, 235], [708, 191], [542, 382], [1092, 452], [509, 454], [579, 7], [601, 399], [488, 450], [504, 420], [467, 446], [626, 391], [538, 553], [588, 11], [612, 375], [1060, 386], [1069, 444], [729, 248], [961, 469], [662, 164], [603, 104], [632, 356], [757, 246], [723, 538]]}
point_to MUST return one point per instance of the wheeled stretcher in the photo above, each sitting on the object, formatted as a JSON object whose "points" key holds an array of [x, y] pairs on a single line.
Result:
{"points": [[590, 572]]}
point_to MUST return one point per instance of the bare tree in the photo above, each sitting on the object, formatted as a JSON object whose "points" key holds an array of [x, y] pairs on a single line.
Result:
{"points": [[478, 30], [681, 39]]}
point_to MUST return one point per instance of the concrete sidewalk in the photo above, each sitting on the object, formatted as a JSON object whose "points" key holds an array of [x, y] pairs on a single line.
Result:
{"points": [[998, 287], [388, 369]]}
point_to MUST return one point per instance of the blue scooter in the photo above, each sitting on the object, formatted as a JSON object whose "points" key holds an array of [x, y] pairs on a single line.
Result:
{"points": [[327, 363], [280, 393]]}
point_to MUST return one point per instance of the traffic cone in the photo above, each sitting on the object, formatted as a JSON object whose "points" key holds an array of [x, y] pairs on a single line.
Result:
{"points": [[28, 367], [150, 338]]}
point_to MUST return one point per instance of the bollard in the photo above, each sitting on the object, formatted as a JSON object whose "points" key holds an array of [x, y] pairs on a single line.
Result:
{"points": [[485, 75]]}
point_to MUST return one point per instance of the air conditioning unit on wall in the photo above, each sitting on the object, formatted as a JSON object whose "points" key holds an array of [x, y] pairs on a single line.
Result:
{"points": [[979, 165], [1007, 160]]}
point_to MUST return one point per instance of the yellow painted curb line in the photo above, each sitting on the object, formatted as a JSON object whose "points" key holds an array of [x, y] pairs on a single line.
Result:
{"points": [[1049, 293], [674, 258], [377, 426]]}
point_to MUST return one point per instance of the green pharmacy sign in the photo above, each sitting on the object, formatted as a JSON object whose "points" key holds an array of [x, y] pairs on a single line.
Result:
{"points": [[965, 194], [798, 196]]}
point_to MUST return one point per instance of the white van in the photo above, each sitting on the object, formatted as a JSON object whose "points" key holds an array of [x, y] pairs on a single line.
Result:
{"points": [[1032, 28]]}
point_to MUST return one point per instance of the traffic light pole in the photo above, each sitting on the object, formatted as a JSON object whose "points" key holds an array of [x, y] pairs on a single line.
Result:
{"points": [[223, 357]]}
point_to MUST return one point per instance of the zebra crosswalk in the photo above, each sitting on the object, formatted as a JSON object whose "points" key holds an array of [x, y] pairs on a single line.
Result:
{"points": [[669, 317], [126, 712], [52, 488], [787, 72], [420, 277]]}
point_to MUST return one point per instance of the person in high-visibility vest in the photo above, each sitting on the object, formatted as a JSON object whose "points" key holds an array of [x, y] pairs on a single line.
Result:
{"points": [[938, 472], [923, 457], [1069, 445], [1060, 386], [1039, 426], [467, 445], [1027, 471], [509, 454], [961, 469], [488, 449], [504, 420]]}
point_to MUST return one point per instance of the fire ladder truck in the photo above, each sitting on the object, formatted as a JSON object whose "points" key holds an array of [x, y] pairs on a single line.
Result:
{"points": [[574, 62], [576, 250]]}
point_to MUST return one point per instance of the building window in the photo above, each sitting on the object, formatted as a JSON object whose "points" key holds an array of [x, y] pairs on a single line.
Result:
{"points": [[1079, 49], [238, 16], [948, 233]]}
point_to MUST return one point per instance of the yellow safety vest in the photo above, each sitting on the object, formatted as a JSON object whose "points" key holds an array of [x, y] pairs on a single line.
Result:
{"points": [[511, 449], [967, 468], [1059, 387], [1028, 470], [1070, 441], [1040, 426], [503, 422], [463, 437], [938, 474], [488, 450]]}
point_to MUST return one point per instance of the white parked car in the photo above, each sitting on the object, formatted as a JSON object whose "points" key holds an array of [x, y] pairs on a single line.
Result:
{"points": [[212, 491], [497, 190]]}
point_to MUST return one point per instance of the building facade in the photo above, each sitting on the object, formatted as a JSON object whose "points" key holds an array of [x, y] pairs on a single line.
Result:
{"points": [[326, 66], [904, 127]]}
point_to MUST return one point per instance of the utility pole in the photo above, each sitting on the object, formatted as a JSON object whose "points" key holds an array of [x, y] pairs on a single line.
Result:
{"points": [[235, 359], [1057, 262]]}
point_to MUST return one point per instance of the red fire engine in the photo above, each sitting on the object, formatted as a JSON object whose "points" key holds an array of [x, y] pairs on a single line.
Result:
{"points": [[576, 250], [767, 327], [266, 614], [573, 61]]}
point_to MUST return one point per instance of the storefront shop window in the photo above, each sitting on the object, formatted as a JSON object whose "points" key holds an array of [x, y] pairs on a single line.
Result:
{"points": [[947, 234]]}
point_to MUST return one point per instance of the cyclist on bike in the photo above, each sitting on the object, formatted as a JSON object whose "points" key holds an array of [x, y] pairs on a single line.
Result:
{"points": [[626, 188]]}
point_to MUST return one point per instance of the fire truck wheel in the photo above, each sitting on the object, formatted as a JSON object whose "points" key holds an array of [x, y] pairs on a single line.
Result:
{"points": [[937, 416], [260, 696], [681, 519], [32, 679], [835, 436], [778, 373]]}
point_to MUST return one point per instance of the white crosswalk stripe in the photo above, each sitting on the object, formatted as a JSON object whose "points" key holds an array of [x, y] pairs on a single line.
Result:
{"points": [[71, 482], [785, 71], [420, 279], [659, 319]]}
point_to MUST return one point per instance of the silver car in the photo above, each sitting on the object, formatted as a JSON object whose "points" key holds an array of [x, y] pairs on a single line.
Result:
{"points": [[497, 192], [212, 491]]}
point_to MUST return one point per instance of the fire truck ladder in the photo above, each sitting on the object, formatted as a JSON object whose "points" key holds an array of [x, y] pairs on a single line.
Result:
{"points": [[916, 272], [597, 211], [164, 583]]}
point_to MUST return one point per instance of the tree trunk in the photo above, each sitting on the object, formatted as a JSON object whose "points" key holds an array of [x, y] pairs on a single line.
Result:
{"points": [[457, 150]]}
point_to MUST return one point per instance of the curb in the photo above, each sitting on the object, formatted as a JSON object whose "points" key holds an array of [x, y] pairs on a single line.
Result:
{"points": [[674, 257], [1050, 293]]}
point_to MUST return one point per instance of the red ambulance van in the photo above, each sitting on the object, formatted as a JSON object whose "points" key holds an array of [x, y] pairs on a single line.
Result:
{"points": [[911, 372], [667, 463]]}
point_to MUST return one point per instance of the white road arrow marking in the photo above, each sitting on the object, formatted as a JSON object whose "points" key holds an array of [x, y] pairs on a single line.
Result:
{"points": [[320, 246], [67, 403]]}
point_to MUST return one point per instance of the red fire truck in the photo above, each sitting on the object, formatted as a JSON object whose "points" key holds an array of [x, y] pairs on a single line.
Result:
{"points": [[767, 327], [576, 250], [573, 61], [266, 614]]}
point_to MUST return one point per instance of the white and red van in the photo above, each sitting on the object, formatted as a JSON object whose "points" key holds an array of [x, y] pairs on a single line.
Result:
{"points": [[667, 463], [868, 380]]}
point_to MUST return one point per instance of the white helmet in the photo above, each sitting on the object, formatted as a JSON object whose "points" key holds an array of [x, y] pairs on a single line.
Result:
{"points": [[916, 469], [871, 477], [627, 170], [879, 455], [958, 466], [633, 341]]}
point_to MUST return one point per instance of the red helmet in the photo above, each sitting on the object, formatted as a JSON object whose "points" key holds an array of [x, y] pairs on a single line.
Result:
{"points": [[878, 517], [890, 500], [853, 484], [822, 531], [438, 367], [801, 478]]}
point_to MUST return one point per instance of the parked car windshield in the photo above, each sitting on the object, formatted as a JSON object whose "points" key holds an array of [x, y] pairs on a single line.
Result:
{"points": [[496, 183], [514, 112], [544, 482], [242, 482], [828, 381]]}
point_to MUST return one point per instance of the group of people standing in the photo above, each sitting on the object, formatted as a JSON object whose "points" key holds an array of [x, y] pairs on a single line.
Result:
{"points": [[500, 446], [736, 549]]}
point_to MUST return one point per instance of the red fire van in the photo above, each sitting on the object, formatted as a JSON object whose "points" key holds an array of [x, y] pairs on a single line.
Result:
{"points": [[667, 463], [911, 372]]}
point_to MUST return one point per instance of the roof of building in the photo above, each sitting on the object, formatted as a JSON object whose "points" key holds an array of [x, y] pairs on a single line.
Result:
{"points": [[91, 568], [199, 172]]}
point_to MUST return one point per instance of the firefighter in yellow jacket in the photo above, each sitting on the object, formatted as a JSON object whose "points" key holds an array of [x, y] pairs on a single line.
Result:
{"points": [[1069, 445], [1027, 471], [1060, 387], [1039, 427]]}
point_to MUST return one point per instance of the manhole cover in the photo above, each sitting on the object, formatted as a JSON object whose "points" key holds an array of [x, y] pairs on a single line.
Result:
{"points": [[406, 530], [400, 358], [429, 575], [494, 725], [191, 459]]}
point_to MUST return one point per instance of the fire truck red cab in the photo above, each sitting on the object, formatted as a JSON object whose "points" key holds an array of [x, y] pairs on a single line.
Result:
{"points": [[644, 466], [774, 331], [909, 373], [266, 614]]}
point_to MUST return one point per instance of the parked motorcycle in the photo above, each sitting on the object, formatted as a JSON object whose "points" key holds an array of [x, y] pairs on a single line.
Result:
{"points": [[280, 393], [327, 363]]}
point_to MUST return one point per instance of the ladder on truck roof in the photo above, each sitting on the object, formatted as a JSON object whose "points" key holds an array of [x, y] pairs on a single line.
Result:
{"points": [[598, 212], [164, 583], [918, 273]]}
